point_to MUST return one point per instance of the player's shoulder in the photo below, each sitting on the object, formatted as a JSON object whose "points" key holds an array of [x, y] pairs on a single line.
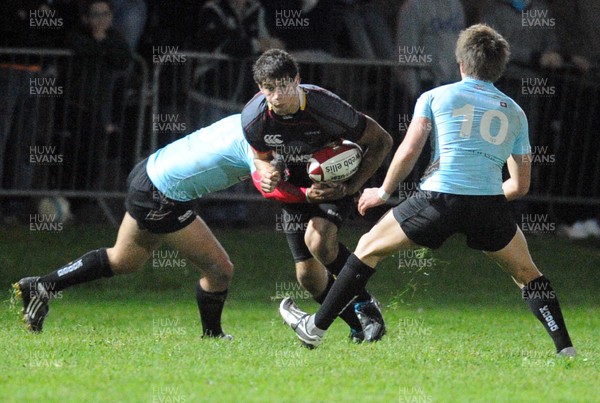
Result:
{"points": [[253, 113], [447, 89], [509, 101], [441, 92], [332, 111], [327, 105], [315, 93]]}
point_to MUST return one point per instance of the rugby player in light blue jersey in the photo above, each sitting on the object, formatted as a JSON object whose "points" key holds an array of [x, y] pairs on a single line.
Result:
{"points": [[162, 191], [475, 129]]}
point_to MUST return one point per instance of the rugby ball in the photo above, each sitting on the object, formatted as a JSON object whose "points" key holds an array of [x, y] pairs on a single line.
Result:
{"points": [[334, 163], [56, 209]]}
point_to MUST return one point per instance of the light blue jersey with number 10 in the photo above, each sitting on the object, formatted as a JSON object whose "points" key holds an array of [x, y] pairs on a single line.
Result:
{"points": [[475, 128]]}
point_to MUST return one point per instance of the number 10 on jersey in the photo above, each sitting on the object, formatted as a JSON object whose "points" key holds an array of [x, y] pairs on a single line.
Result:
{"points": [[468, 111]]}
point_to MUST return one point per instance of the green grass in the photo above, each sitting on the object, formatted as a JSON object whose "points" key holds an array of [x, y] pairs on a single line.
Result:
{"points": [[457, 331]]}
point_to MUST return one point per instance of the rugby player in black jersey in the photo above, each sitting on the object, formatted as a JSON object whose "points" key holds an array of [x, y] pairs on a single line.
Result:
{"points": [[285, 123]]}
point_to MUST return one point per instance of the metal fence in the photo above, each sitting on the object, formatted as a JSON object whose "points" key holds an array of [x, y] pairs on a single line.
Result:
{"points": [[71, 131], [563, 112], [69, 126]]}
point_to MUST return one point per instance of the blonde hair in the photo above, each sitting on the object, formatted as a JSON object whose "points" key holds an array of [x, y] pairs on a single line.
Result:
{"points": [[483, 52]]}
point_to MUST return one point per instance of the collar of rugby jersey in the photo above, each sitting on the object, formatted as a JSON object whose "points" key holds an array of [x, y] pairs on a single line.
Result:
{"points": [[478, 82], [301, 101]]}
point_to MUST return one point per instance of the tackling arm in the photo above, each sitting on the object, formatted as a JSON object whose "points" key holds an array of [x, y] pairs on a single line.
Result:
{"points": [[404, 160], [284, 192], [519, 168], [268, 175]]}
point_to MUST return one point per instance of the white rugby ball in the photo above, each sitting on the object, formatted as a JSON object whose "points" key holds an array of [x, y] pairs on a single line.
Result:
{"points": [[334, 163]]}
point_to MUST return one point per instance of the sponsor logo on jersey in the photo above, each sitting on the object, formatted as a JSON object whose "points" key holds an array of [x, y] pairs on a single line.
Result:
{"points": [[273, 139]]}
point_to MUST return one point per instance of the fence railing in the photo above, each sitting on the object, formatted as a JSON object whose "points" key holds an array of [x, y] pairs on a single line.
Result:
{"points": [[563, 111], [68, 130], [70, 126]]}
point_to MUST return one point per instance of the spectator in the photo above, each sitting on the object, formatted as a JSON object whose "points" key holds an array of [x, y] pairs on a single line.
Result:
{"points": [[577, 32], [365, 26], [130, 19], [304, 26], [99, 53], [234, 27], [426, 33], [528, 26]]}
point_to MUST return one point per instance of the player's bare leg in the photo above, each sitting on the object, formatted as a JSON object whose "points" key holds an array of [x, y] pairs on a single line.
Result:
{"points": [[132, 248], [516, 260], [312, 275], [321, 240], [197, 243], [384, 239], [536, 289]]}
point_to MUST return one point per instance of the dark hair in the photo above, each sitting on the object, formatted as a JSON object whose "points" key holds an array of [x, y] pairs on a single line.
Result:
{"points": [[86, 5], [274, 64], [483, 52]]}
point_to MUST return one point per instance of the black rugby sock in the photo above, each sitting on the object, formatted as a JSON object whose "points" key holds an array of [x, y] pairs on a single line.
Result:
{"points": [[210, 305], [337, 265], [542, 301], [347, 286], [347, 315], [91, 266]]}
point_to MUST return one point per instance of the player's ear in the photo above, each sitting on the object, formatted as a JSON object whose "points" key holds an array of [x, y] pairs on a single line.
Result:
{"points": [[297, 79]]}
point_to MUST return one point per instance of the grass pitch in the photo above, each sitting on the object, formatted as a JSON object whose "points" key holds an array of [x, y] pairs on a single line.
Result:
{"points": [[457, 329]]}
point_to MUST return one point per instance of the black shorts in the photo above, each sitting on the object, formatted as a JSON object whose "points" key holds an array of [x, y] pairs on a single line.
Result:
{"points": [[429, 218], [152, 210], [295, 217]]}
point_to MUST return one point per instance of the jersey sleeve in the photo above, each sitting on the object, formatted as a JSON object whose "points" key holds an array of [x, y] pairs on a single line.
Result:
{"points": [[335, 115], [253, 122], [522, 145], [423, 107], [284, 192]]}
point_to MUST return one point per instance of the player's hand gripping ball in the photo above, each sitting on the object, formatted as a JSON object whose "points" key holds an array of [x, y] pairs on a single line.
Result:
{"points": [[334, 163]]}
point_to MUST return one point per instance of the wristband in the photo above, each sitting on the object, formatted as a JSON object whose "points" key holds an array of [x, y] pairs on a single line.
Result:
{"points": [[383, 195]]}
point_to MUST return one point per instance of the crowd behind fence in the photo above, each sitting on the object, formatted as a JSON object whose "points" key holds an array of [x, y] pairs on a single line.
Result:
{"points": [[53, 137], [69, 130]]}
